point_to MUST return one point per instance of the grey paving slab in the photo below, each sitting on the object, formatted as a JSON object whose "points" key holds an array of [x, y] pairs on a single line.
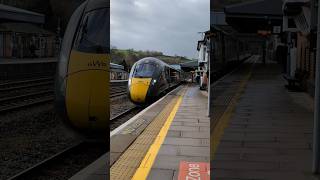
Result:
{"points": [[160, 174], [259, 175], [188, 137], [173, 162], [201, 135], [204, 129], [194, 151], [169, 150], [174, 133], [185, 128], [269, 136], [184, 141]]}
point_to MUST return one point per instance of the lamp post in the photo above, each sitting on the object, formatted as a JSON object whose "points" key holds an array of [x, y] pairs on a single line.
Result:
{"points": [[316, 128]]}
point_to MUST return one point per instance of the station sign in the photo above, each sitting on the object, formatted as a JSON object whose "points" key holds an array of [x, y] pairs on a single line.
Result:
{"points": [[194, 171]]}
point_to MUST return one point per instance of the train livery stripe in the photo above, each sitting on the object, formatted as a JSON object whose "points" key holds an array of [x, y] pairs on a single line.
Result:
{"points": [[147, 162]]}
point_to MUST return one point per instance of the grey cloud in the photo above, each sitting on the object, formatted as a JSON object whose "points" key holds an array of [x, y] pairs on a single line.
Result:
{"points": [[169, 26]]}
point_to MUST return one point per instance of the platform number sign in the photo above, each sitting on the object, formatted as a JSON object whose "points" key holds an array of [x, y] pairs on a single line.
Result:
{"points": [[194, 171]]}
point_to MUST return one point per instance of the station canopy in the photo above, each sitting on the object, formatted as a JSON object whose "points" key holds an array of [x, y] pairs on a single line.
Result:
{"points": [[189, 66], [27, 28], [9, 13], [254, 16]]}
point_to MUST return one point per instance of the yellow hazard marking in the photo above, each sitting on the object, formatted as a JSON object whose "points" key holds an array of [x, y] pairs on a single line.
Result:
{"points": [[139, 89], [87, 90], [147, 162], [223, 122]]}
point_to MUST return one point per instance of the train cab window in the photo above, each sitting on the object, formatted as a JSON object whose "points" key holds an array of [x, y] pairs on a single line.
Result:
{"points": [[93, 36], [144, 70]]}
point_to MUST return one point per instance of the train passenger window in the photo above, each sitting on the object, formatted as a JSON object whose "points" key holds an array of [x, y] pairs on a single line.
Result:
{"points": [[144, 70], [93, 36]]}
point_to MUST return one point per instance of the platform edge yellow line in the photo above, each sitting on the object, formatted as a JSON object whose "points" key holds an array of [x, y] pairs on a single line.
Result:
{"points": [[224, 120], [147, 162]]}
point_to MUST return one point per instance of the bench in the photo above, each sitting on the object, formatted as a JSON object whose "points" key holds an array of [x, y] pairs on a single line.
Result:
{"points": [[297, 79]]}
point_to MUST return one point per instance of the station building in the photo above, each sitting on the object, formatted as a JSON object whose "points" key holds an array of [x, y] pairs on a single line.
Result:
{"points": [[300, 24], [203, 49], [117, 72], [31, 41]]}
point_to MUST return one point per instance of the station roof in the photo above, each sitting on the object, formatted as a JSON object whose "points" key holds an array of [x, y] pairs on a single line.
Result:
{"points": [[257, 8], [217, 18], [293, 7], [10, 13], [116, 66], [249, 17], [23, 28], [188, 66], [176, 66]]}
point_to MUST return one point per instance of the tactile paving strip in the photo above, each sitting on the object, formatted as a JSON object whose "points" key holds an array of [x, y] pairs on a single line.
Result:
{"points": [[130, 160]]}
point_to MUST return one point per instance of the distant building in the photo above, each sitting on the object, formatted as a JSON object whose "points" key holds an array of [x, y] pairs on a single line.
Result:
{"points": [[203, 48], [176, 66], [117, 72], [22, 35], [299, 34]]}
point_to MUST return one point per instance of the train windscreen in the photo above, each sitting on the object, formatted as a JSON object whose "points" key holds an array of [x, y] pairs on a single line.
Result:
{"points": [[93, 36], [144, 70]]}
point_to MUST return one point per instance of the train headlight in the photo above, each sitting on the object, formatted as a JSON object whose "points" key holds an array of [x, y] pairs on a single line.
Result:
{"points": [[154, 81], [129, 82]]}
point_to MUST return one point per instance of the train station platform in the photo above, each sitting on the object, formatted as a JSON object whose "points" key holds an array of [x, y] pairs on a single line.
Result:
{"points": [[260, 130], [15, 69], [14, 61], [167, 140]]}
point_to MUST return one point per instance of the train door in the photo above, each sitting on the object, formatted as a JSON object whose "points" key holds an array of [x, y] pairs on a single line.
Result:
{"points": [[173, 77], [167, 71], [162, 80]]}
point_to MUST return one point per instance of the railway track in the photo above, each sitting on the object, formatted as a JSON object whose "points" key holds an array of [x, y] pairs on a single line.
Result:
{"points": [[118, 88], [117, 94], [124, 116], [24, 84], [21, 101], [124, 113], [66, 163]]}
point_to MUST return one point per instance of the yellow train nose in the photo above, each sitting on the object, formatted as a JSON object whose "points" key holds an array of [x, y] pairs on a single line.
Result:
{"points": [[87, 95], [87, 105], [139, 89]]}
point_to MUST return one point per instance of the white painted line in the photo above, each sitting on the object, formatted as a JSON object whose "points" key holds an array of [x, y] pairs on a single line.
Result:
{"points": [[134, 118]]}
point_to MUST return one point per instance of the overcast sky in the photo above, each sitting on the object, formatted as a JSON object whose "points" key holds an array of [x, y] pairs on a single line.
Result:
{"points": [[169, 26]]}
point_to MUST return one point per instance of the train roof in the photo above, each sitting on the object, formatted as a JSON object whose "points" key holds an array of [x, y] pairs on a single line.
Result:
{"points": [[116, 66], [157, 61]]}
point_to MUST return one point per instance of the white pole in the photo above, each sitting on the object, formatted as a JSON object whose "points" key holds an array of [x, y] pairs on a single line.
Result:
{"points": [[209, 79], [316, 128]]}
